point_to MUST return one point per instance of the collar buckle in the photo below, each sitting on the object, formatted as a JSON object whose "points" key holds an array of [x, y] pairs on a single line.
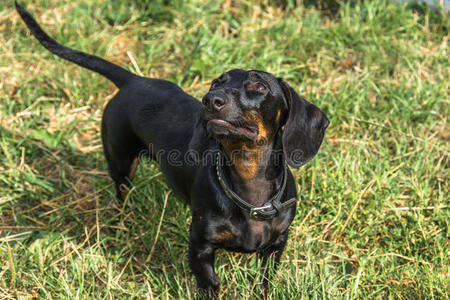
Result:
{"points": [[254, 211]]}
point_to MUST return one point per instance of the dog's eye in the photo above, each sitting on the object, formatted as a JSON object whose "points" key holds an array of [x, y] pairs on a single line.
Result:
{"points": [[260, 87]]}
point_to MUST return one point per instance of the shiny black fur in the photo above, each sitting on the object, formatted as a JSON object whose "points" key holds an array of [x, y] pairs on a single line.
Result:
{"points": [[157, 118]]}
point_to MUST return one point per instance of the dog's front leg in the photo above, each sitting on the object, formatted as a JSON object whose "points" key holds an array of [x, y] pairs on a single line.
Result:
{"points": [[270, 259], [201, 262]]}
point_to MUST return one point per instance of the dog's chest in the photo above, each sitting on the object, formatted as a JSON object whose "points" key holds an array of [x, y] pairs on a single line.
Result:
{"points": [[245, 235]]}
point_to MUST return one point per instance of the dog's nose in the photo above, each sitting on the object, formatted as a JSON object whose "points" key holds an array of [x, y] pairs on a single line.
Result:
{"points": [[214, 102]]}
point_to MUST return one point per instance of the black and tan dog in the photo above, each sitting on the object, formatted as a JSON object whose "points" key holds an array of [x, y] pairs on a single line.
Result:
{"points": [[225, 156]]}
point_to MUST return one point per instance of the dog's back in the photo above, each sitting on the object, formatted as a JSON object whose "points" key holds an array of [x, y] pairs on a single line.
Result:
{"points": [[133, 119]]}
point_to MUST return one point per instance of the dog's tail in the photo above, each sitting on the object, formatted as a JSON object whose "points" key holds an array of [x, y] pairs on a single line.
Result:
{"points": [[116, 74]]}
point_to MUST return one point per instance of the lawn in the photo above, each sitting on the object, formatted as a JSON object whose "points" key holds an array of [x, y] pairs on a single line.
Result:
{"points": [[373, 214]]}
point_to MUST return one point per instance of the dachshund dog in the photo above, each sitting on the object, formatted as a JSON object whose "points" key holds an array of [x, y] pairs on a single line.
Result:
{"points": [[226, 156]]}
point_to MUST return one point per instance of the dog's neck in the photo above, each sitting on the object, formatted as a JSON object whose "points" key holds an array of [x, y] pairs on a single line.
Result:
{"points": [[255, 171]]}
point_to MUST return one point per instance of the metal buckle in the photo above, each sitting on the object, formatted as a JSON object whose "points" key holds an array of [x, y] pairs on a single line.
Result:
{"points": [[254, 210]]}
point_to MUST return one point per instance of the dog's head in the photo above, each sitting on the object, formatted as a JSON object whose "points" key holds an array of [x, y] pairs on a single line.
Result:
{"points": [[256, 107]]}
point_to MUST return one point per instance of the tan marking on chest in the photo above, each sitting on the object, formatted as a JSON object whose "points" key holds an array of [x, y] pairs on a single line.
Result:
{"points": [[246, 156], [247, 164]]}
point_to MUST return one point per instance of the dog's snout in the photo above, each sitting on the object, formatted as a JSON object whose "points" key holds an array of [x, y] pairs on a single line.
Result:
{"points": [[214, 102], [218, 103]]}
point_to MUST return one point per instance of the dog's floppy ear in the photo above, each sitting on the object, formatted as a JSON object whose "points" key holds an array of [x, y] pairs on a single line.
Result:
{"points": [[304, 128]]}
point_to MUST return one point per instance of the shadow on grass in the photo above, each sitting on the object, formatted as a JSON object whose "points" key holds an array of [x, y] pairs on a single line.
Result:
{"points": [[63, 194]]}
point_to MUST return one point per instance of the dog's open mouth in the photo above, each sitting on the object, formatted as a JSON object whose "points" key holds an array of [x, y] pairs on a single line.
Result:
{"points": [[247, 131]]}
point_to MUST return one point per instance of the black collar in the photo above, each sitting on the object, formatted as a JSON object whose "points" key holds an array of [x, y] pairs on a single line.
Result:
{"points": [[270, 209]]}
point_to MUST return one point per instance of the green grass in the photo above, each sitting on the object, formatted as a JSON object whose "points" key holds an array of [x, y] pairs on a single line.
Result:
{"points": [[373, 216]]}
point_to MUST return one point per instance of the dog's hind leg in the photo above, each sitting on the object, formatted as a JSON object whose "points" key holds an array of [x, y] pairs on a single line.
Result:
{"points": [[121, 171], [122, 155]]}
